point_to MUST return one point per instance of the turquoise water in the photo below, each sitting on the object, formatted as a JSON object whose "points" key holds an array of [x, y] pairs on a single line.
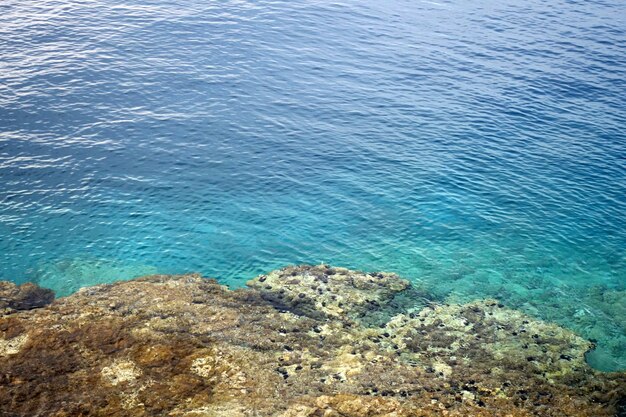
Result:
{"points": [[478, 148]]}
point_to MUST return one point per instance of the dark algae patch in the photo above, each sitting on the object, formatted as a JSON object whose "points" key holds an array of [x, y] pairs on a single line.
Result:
{"points": [[301, 341], [23, 297]]}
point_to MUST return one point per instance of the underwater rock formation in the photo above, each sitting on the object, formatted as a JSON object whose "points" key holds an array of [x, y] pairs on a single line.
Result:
{"points": [[298, 342], [23, 297]]}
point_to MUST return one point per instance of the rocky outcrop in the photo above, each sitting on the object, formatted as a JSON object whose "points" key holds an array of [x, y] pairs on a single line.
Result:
{"points": [[299, 342], [339, 293]]}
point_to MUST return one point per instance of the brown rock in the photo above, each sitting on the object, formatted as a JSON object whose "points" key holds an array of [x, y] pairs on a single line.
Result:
{"points": [[186, 346]]}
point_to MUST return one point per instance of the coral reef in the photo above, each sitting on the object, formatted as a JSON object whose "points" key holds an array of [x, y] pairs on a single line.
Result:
{"points": [[299, 342]]}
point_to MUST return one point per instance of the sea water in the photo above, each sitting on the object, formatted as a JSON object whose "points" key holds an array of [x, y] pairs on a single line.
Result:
{"points": [[477, 148]]}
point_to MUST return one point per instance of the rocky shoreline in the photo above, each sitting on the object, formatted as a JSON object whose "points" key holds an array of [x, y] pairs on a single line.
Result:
{"points": [[301, 341]]}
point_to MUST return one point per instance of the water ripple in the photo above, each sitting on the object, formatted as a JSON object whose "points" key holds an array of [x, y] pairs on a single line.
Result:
{"points": [[477, 148]]}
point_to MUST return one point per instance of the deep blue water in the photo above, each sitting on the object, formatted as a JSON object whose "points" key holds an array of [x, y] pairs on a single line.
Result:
{"points": [[478, 148]]}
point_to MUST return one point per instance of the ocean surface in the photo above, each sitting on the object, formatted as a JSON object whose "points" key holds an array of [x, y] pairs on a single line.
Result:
{"points": [[477, 148]]}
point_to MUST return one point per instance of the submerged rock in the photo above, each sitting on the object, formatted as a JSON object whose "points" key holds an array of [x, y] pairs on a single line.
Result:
{"points": [[23, 297], [187, 346]]}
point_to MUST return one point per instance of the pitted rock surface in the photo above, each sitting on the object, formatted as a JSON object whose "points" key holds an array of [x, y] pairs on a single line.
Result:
{"points": [[187, 346]]}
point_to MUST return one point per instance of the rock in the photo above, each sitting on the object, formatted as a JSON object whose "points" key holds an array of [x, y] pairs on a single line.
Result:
{"points": [[484, 334], [323, 291], [187, 346], [23, 297]]}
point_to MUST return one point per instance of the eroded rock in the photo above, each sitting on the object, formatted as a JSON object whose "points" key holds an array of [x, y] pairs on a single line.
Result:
{"points": [[324, 291], [186, 346]]}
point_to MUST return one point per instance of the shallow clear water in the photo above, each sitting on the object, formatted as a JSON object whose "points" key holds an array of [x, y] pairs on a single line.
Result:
{"points": [[478, 148]]}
